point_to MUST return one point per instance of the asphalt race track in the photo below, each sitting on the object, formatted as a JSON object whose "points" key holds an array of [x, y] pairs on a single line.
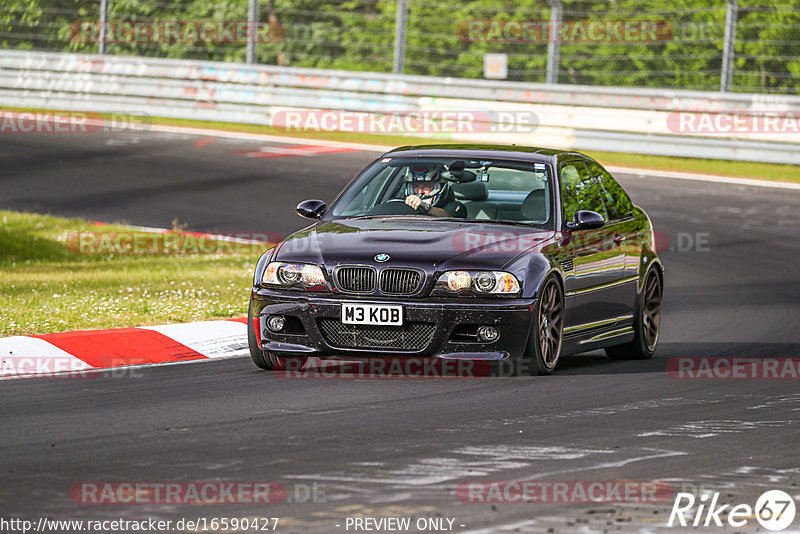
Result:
{"points": [[401, 447]]}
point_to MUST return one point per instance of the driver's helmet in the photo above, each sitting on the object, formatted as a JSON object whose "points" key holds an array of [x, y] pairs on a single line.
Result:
{"points": [[423, 173]]}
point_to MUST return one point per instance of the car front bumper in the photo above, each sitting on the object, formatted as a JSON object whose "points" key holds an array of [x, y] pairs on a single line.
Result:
{"points": [[449, 318]]}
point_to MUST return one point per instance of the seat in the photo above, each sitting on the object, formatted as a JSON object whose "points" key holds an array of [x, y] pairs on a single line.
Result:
{"points": [[475, 194], [534, 207], [471, 191]]}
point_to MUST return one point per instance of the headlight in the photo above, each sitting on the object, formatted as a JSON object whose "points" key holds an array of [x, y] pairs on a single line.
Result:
{"points": [[480, 282], [293, 274], [457, 280]]}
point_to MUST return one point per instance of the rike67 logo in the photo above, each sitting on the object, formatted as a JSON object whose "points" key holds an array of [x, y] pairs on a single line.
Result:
{"points": [[774, 510]]}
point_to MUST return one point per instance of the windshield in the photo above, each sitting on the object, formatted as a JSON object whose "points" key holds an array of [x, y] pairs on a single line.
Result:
{"points": [[483, 190]]}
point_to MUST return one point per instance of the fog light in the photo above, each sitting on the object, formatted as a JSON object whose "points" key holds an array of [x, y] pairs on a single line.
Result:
{"points": [[276, 323], [488, 333]]}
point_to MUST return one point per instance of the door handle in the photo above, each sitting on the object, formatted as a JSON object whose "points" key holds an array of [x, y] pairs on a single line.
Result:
{"points": [[619, 238]]}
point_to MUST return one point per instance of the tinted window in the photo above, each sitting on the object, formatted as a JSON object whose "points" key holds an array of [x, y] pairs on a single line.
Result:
{"points": [[618, 203], [499, 190], [579, 190], [508, 179]]}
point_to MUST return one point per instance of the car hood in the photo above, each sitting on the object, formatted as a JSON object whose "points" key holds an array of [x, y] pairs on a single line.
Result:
{"points": [[424, 243]]}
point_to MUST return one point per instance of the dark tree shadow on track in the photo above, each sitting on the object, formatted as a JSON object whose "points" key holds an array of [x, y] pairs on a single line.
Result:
{"points": [[595, 362], [589, 363]]}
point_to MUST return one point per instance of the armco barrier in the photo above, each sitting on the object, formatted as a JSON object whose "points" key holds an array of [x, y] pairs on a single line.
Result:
{"points": [[584, 118]]}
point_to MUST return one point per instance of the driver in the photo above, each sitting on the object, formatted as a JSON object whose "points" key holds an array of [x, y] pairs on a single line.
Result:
{"points": [[428, 192]]}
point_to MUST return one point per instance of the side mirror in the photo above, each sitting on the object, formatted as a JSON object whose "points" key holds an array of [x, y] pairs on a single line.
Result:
{"points": [[586, 220], [311, 209]]}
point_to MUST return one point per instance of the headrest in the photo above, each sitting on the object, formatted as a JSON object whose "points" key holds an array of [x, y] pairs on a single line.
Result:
{"points": [[471, 191], [533, 207]]}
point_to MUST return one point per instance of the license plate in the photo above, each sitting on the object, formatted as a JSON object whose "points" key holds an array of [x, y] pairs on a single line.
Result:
{"points": [[375, 314]]}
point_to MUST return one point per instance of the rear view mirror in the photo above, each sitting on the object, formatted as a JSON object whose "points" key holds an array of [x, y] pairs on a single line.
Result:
{"points": [[311, 209], [457, 173]]}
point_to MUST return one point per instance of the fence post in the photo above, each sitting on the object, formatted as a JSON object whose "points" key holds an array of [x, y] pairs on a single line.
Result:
{"points": [[400, 26], [252, 33], [731, 14], [553, 44], [101, 45]]}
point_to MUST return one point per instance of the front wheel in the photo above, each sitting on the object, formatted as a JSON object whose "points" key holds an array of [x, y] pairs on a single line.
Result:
{"points": [[544, 342], [256, 353], [269, 360], [647, 322]]}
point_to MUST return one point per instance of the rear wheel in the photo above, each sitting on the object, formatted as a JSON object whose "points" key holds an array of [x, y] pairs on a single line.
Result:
{"points": [[544, 342], [646, 324]]}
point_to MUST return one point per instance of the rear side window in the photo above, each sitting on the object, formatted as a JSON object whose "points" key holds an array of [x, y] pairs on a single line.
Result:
{"points": [[579, 190], [618, 203]]}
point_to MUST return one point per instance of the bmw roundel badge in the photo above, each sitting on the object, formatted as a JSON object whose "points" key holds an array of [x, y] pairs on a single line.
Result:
{"points": [[381, 257]]}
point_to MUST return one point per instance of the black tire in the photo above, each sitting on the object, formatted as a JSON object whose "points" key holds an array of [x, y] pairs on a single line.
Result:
{"points": [[255, 351], [544, 341], [269, 360], [646, 321]]}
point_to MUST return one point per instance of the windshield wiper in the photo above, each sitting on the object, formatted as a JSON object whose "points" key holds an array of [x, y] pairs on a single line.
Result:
{"points": [[384, 217], [503, 221], [452, 219]]}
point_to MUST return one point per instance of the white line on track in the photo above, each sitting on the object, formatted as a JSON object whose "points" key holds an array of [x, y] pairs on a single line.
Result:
{"points": [[706, 178], [659, 453], [385, 148]]}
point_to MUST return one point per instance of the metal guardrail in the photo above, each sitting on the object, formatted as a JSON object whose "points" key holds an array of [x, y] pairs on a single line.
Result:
{"points": [[584, 118]]}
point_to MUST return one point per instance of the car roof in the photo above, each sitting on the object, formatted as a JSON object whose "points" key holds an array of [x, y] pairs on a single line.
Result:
{"points": [[525, 153]]}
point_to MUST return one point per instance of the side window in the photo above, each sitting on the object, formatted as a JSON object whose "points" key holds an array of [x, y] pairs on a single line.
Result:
{"points": [[579, 190], [617, 201], [367, 198]]}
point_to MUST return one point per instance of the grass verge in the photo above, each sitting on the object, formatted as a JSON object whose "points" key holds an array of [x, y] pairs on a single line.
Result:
{"points": [[68, 274], [742, 169]]}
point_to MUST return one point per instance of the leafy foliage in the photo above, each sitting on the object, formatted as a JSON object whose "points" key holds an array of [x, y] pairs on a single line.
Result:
{"points": [[359, 35]]}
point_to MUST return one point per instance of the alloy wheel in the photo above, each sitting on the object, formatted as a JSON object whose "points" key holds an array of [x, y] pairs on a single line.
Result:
{"points": [[551, 320], [651, 310]]}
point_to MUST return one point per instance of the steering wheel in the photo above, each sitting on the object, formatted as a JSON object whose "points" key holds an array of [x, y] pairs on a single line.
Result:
{"points": [[395, 206]]}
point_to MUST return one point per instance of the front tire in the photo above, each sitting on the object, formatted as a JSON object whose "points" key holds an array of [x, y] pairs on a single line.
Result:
{"points": [[544, 342], [256, 354], [647, 321], [269, 361]]}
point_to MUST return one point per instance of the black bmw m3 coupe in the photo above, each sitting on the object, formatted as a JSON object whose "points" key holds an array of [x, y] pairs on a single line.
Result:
{"points": [[463, 252]]}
